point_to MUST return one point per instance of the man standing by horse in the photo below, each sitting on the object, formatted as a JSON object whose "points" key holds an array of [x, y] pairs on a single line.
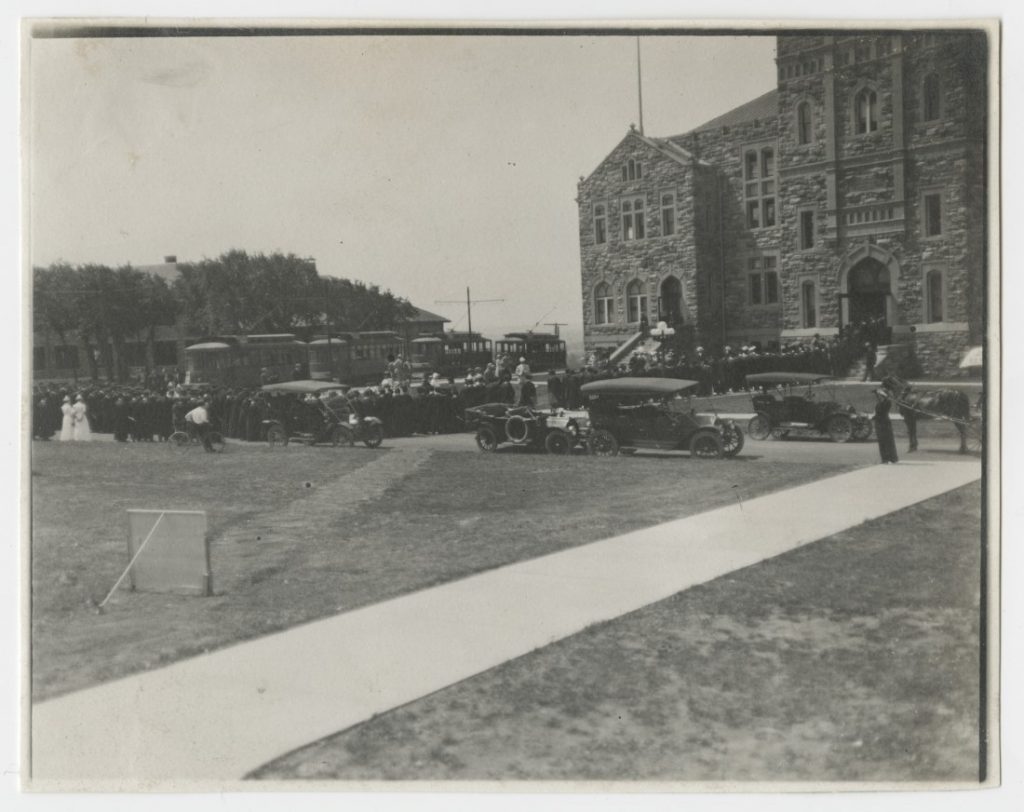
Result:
{"points": [[926, 404]]}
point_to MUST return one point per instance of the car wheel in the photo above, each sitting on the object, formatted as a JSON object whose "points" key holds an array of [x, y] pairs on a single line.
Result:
{"points": [[517, 429], [373, 435], [759, 427], [487, 439], [276, 436], [862, 428], [602, 443], [558, 442], [732, 439], [706, 446], [839, 428]]}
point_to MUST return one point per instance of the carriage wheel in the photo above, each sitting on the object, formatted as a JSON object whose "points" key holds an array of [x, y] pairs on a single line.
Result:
{"points": [[862, 428], [487, 439], [217, 441], [179, 439], [276, 437], [759, 427], [706, 446], [602, 443], [839, 428], [558, 442], [732, 439]]}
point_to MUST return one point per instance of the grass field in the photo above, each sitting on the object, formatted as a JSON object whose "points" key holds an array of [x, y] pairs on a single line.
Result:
{"points": [[851, 659], [302, 533]]}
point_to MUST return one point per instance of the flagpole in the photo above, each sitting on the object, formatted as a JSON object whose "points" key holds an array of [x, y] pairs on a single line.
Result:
{"points": [[639, 86]]}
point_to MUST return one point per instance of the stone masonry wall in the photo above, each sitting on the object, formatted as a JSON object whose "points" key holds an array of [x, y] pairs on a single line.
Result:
{"points": [[651, 259]]}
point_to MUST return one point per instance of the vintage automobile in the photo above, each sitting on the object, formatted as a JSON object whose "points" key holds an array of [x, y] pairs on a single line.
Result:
{"points": [[301, 414], [802, 404], [558, 431], [632, 413]]}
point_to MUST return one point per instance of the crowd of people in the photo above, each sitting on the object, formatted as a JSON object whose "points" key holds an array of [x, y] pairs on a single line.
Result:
{"points": [[152, 409]]}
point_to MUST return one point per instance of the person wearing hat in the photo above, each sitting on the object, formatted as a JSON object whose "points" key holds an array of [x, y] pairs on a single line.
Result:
{"points": [[883, 427]]}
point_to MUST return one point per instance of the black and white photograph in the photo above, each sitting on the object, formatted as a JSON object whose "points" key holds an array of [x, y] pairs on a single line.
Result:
{"points": [[604, 405]]}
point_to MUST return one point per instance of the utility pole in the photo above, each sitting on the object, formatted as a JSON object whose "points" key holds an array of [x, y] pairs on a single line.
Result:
{"points": [[469, 306], [556, 325]]}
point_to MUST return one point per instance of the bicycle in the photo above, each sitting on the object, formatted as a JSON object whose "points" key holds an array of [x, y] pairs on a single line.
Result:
{"points": [[183, 439]]}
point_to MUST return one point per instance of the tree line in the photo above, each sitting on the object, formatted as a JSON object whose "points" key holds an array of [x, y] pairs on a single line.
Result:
{"points": [[235, 293]]}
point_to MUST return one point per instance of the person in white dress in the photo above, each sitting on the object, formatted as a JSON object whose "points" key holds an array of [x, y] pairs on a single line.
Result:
{"points": [[81, 420], [67, 424]]}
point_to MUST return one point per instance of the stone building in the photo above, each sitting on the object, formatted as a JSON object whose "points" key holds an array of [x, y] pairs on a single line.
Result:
{"points": [[851, 193]]}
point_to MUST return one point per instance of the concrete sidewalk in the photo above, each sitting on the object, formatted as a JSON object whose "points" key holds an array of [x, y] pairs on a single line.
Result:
{"points": [[204, 723]]}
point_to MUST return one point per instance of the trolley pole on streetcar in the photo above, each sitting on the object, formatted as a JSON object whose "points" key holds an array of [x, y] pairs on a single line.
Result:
{"points": [[469, 308]]}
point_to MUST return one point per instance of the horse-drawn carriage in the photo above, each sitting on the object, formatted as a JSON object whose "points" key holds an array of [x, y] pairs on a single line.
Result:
{"points": [[802, 404]]}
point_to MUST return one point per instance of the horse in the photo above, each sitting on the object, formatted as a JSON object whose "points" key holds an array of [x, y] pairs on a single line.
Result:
{"points": [[927, 404]]}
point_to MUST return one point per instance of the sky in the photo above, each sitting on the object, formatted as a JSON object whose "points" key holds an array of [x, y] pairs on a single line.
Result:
{"points": [[423, 164]]}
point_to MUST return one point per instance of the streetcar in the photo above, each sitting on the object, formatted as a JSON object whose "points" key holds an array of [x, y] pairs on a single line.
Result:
{"points": [[244, 360], [450, 354], [542, 351], [353, 358]]}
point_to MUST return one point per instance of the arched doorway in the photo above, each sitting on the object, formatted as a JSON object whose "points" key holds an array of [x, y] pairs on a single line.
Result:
{"points": [[670, 301], [869, 287]]}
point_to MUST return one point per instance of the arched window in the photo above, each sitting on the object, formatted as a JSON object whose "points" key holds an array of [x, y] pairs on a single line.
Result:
{"points": [[931, 97], [803, 123], [865, 111], [636, 302], [602, 304]]}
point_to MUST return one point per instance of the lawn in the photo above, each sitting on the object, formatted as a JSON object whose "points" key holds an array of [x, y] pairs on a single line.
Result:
{"points": [[303, 533], [855, 658]]}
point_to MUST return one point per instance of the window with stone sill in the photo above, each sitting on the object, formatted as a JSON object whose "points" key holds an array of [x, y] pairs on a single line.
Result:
{"points": [[804, 123], [600, 224], [806, 230], [632, 170], [865, 111], [763, 280], [931, 214], [668, 214], [603, 304], [808, 304], [934, 297], [636, 302], [633, 226], [759, 186]]}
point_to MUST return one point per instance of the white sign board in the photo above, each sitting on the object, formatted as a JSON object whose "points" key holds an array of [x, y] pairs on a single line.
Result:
{"points": [[175, 551]]}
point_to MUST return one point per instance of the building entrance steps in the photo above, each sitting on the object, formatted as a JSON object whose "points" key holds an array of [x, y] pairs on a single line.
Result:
{"points": [[206, 722]]}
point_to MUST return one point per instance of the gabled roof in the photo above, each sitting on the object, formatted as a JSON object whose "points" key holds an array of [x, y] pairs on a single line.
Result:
{"points": [[661, 145], [425, 315], [766, 106]]}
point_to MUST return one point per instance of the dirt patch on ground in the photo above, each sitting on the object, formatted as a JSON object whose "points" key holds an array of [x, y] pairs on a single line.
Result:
{"points": [[852, 659]]}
